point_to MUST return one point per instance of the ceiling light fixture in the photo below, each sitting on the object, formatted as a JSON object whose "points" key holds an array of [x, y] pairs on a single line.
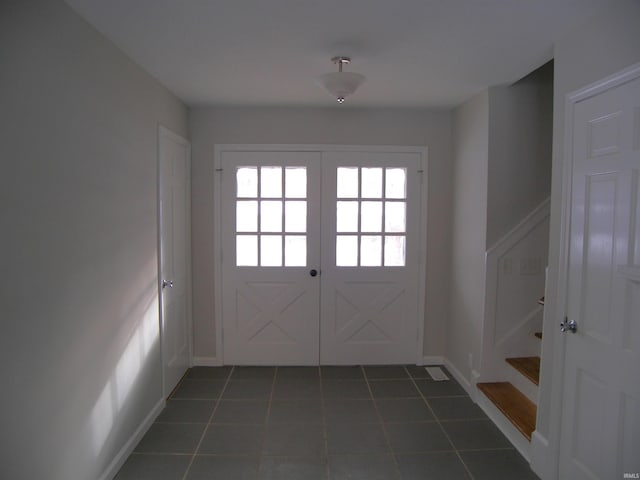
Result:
{"points": [[341, 84]]}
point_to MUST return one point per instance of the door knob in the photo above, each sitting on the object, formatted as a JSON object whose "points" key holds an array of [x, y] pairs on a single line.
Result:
{"points": [[166, 284], [313, 272], [570, 325]]}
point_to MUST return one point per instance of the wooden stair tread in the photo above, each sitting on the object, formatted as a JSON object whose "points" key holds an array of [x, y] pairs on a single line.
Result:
{"points": [[539, 335], [528, 366], [513, 404]]}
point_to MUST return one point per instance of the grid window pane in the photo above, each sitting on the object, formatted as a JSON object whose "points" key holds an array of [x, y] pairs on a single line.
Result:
{"points": [[396, 183], [247, 182], [394, 251], [347, 251], [270, 216], [371, 220], [395, 217], [347, 182], [347, 217], [371, 251], [372, 183], [295, 251], [247, 250], [295, 216], [271, 251], [247, 216], [271, 182], [295, 182]]}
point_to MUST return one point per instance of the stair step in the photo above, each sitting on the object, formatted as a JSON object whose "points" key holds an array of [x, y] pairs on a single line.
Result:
{"points": [[539, 335], [528, 366], [513, 404]]}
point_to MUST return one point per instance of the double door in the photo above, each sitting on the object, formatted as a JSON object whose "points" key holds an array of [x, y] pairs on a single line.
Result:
{"points": [[321, 256]]}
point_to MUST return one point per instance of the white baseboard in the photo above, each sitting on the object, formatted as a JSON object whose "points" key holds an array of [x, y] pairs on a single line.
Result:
{"points": [[462, 380], [540, 458], [206, 362], [121, 457], [432, 360]]}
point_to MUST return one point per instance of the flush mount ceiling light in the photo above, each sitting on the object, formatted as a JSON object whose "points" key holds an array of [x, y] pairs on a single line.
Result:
{"points": [[341, 84]]}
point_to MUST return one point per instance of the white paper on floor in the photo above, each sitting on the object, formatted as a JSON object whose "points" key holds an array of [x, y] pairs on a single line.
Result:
{"points": [[436, 373]]}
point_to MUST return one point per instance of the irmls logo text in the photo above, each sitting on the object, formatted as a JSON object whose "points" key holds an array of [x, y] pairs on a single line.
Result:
{"points": [[631, 475]]}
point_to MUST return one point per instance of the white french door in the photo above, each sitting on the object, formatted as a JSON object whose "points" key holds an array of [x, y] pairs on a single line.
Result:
{"points": [[320, 255]]}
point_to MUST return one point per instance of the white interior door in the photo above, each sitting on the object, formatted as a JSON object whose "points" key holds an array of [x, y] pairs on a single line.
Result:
{"points": [[600, 436], [174, 158], [270, 244], [371, 257]]}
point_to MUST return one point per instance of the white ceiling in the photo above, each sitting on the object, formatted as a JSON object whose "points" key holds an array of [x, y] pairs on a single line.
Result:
{"points": [[415, 53]]}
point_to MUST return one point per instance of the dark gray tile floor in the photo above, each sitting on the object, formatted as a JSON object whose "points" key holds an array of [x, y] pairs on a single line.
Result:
{"points": [[322, 423]]}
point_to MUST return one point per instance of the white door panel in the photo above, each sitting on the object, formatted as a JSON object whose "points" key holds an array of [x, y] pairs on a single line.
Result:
{"points": [[600, 436]]}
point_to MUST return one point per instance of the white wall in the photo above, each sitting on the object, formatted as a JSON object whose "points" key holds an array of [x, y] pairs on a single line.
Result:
{"points": [[334, 125], [468, 237], [603, 45], [79, 345], [520, 132]]}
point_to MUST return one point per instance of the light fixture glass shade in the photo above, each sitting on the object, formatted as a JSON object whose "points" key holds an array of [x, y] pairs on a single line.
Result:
{"points": [[341, 84]]}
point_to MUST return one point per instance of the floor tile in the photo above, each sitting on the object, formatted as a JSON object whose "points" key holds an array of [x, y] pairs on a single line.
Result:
{"points": [[198, 389], [417, 371], [253, 373], [433, 466], [345, 389], [291, 388], [296, 411], [187, 411], [443, 388], [386, 372], [393, 388], [497, 465], [350, 411], [475, 434], [209, 373], [247, 390], [208, 467], [362, 467], [294, 439], [342, 373], [298, 372], [293, 468], [356, 438], [171, 438], [232, 440], [417, 437], [403, 410], [154, 467], [455, 408], [241, 411]]}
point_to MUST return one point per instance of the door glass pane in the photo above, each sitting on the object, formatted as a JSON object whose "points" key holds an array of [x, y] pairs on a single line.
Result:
{"points": [[371, 183], [347, 182], [270, 216], [271, 251], [371, 217], [295, 182], [247, 250], [347, 217], [346, 251], [396, 183], [394, 217], [247, 216], [295, 251], [371, 251], [271, 182], [247, 182], [394, 251], [295, 216]]}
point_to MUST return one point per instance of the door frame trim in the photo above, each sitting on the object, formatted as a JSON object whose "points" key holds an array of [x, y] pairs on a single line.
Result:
{"points": [[167, 133], [558, 350], [218, 358]]}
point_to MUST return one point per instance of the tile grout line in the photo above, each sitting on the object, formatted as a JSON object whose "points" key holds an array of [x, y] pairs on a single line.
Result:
{"points": [[455, 449], [325, 434], [382, 424], [204, 432], [261, 454]]}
